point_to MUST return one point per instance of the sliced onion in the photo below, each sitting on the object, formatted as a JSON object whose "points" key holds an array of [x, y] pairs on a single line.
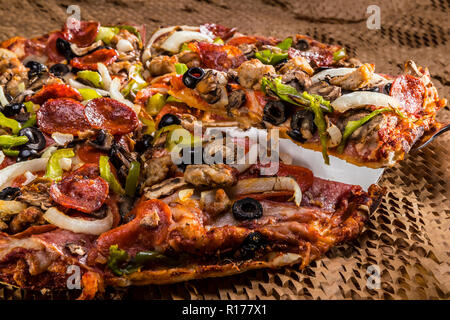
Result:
{"points": [[158, 33], [8, 208], [82, 51], [104, 73], [124, 46], [337, 72], [2, 157], [115, 94], [335, 135], [79, 225], [259, 185], [185, 194], [175, 40], [79, 85], [62, 139], [3, 100], [29, 177], [363, 98]]}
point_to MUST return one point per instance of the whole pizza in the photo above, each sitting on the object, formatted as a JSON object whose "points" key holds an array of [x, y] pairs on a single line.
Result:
{"points": [[92, 116]]}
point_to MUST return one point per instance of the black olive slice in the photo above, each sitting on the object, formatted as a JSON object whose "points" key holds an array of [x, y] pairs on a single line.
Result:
{"points": [[167, 120], [251, 244], [302, 45], [192, 76], [302, 126], [13, 109], [144, 143], [63, 47], [36, 68], [275, 112], [247, 208], [9, 193], [387, 88], [36, 139], [26, 154], [59, 69]]}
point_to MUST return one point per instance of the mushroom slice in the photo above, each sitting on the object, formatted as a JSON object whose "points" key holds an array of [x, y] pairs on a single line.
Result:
{"points": [[165, 188]]}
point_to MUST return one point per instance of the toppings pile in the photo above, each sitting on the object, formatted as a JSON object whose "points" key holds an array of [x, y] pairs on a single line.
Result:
{"points": [[90, 115]]}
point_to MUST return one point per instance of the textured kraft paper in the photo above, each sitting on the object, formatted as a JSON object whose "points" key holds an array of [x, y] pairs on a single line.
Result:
{"points": [[407, 238]]}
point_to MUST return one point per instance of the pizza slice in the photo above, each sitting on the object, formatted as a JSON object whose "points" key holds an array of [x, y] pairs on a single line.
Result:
{"points": [[314, 93]]}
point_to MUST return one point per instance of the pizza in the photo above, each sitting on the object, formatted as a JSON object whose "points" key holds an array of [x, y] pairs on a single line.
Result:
{"points": [[92, 116], [314, 93]]}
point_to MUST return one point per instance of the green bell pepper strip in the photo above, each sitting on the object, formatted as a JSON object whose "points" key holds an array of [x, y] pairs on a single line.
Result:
{"points": [[116, 258], [173, 99], [321, 124], [30, 122], [92, 77], [11, 153], [89, 94], [218, 41], [31, 107], [10, 123], [268, 57], [285, 44], [155, 103], [180, 68], [106, 34], [149, 123], [132, 178], [54, 170], [352, 126], [133, 87], [106, 173], [338, 55], [7, 141], [119, 261]]}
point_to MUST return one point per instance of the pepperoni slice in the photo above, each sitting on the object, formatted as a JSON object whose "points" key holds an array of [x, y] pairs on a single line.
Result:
{"points": [[410, 92], [89, 62], [82, 33], [258, 41], [54, 91], [51, 50], [62, 115], [89, 154], [111, 115], [220, 57], [82, 190]]}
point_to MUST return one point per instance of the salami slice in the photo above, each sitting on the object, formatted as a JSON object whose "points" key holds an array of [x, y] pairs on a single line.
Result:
{"points": [[220, 57], [54, 91], [62, 115], [410, 92], [111, 115], [89, 62], [82, 33], [83, 190]]}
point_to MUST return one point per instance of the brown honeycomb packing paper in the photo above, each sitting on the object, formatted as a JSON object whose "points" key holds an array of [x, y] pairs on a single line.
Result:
{"points": [[407, 238]]}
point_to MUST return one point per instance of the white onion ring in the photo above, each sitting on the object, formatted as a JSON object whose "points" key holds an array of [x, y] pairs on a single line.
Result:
{"points": [[79, 85], [363, 98], [175, 40], [104, 73], [78, 225], [3, 100], [259, 185], [115, 94], [62, 139]]}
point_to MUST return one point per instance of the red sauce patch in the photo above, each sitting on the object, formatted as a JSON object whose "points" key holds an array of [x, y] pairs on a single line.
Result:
{"points": [[82, 190], [220, 57], [410, 92], [111, 115], [62, 115], [89, 62], [54, 91], [82, 33]]}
